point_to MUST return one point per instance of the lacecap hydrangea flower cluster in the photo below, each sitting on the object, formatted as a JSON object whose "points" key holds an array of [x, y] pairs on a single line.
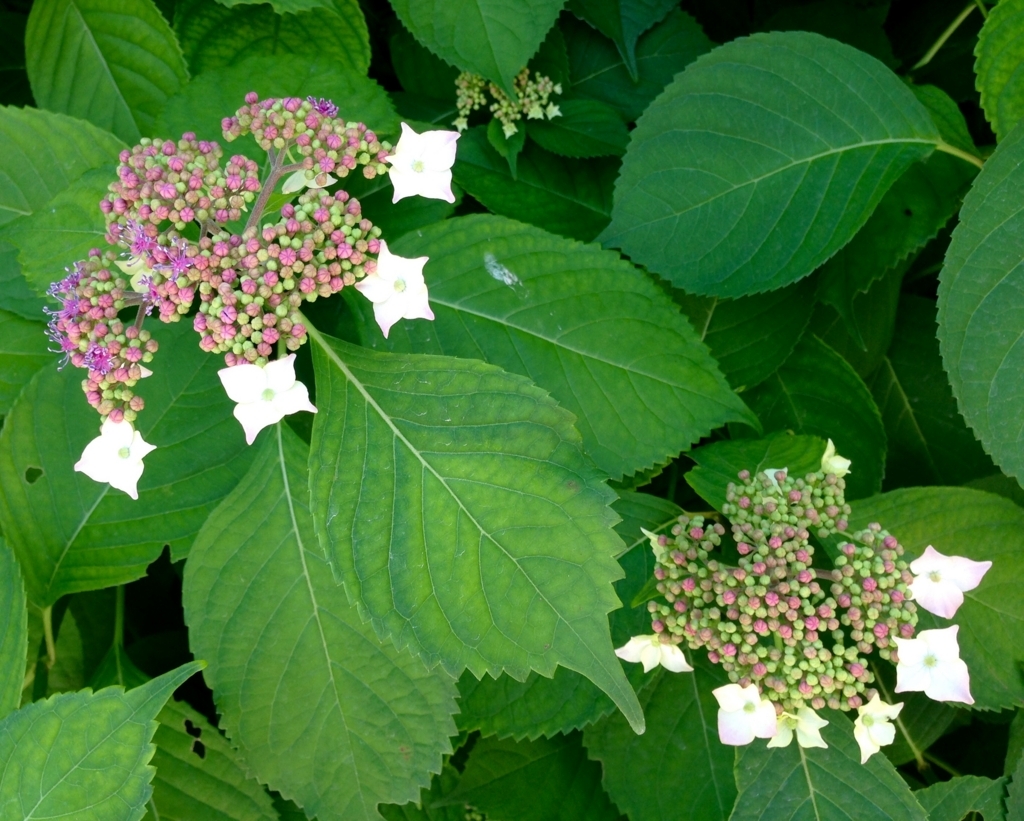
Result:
{"points": [[532, 100], [177, 251], [794, 634]]}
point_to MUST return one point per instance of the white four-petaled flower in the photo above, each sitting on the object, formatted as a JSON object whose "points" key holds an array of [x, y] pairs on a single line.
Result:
{"points": [[832, 462], [115, 456], [652, 651], [931, 663], [805, 725], [941, 581], [872, 728], [264, 395], [743, 715], [396, 289], [422, 164]]}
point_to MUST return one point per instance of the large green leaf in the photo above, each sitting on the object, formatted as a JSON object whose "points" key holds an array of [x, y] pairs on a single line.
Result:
{"points": [[821, 784], [980, 526], [599, 73], [1000, 52], [14, 636], [112, 62], [816, 392], [318, 708], [563, 195], [425, 809], [23, 351], [18, 297], [83, 755], [495, 38], [981, 303], [1015, 794], [953, 800], [585, 128], [929, 443], [694, 769], [455, 502], [214, 36], [752, 336], [719, 462], [623, 21], [534, 781], [761, 160], [42, 153], [284, 6], [580, 322], [71, 533], [419, 71]]}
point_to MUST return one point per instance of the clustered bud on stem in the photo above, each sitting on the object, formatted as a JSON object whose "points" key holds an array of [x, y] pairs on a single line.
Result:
{"points": [[801, 633], [532, 100]]}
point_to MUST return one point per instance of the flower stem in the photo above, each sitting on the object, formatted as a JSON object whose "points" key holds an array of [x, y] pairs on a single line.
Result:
{"points": [[277, 170], [938, 762], [51, 646], [919, 755], [946, 148], [982, 9], [945, 36]]}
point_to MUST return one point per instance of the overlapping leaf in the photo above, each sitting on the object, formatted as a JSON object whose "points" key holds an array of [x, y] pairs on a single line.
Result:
{"points": [[581, 323], [14, 637], [23, 351], [623, 21], [454, 501], [112, 62], [319, 709], [71, 533], [761, 160], [1000, 53], [585, 128], [962, 796]]}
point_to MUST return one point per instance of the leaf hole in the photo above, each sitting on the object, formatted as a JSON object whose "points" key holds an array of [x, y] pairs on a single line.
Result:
{"points": [[908, 212], [32, 474], [199, 748], [192, 729]]}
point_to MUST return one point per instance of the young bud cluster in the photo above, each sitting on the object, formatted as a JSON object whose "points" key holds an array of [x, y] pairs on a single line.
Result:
{"points": [[800, 630], [532, 100]]}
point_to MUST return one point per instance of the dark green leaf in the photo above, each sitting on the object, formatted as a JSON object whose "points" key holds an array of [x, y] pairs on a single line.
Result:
{"points": [[494, 38], [623, 21], [761, 160], [328, 715], [1000, 51], [18, 297], [420, 72], [112, 62], [284, 6], [565, 196], [552, 59], [947, 116], [508, 147], [952, 800], [816, 392], [23, 351], [14, 636], [859, 25], [1015, 797], [488, 544], [424, 809], [586, 128]]}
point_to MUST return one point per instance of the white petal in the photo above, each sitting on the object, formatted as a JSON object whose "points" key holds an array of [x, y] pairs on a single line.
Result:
{"points": [[808, 728], [293, 400], [631, 650], [375, 288], [387, 314], [127, 477], [731, 697], [117, 435], [279, 374], [867, 744], [831, 462], [243, 383], [672, 659], [255, 416], [140, 448], [734, 728], [783, 736], [943, 598], [296, 182], [765, 721]]}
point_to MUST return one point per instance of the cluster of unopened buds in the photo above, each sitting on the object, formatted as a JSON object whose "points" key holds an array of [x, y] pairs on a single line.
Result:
{"points": [[177, 251], [532, 100], [793, 635]]}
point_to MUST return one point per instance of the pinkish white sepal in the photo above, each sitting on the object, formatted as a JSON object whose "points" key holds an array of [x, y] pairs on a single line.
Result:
{"points": [[805, 725], [872, 729], [264, 395], [931, 664], [396, 289], [832, 462], [652, 651], [743, 715], [299, 180], [941, 581], [422, 164], [115, 456]]}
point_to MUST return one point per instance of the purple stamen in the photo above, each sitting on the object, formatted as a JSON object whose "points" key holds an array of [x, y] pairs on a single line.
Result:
{"points": [[323, 106]]}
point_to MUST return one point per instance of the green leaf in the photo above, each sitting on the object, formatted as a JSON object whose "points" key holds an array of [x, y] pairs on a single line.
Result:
{"points": [[488, 542], [642, 510], [84, 755], [929, 442], [586, 128], [398, 218], [112, 62], [23, 351], [284, 6], [425, 810], [62, 231], [534, 781], [763, 159], [816, 392], [980, 526], [623, 21], [42, 153], [562, 195], [494, 38], [954, 799], [14, 637], [911, 213], [71, 533], [821, 784], [552, 59], [718, 463], [694, 770], [752, 336], [581, 323], [199, 776], [19, 298], [214, 36], [599, 72], [218, 93], [946, 115], [507, 147], [418, 70], [329, 716], [68, 674], [999, 55], [981, 300], [1015, 797]]}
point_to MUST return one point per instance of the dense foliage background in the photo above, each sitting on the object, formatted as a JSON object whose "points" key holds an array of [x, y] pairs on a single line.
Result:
{"points": [[755, 225]]}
